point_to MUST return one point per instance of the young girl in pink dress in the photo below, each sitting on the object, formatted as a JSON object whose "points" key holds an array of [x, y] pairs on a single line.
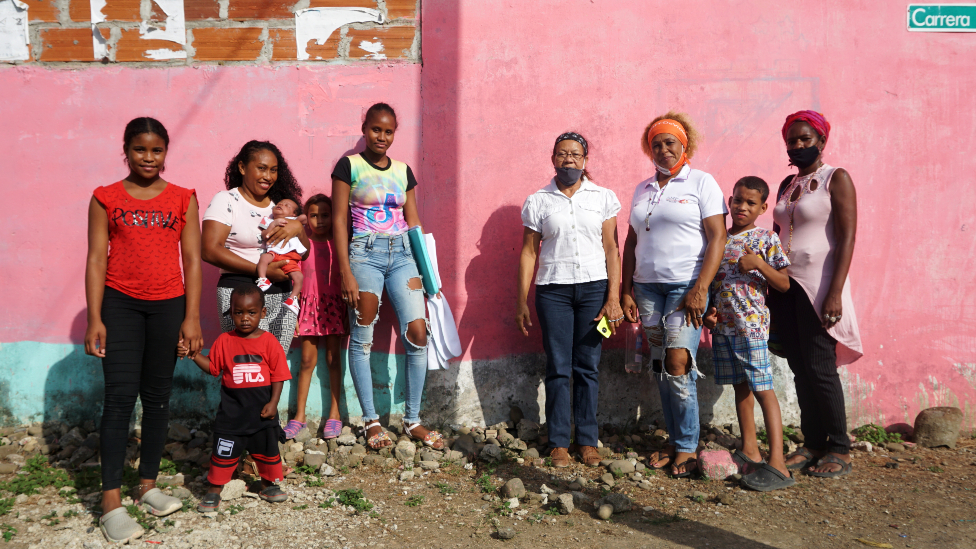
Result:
{"points": [[323, 319]]}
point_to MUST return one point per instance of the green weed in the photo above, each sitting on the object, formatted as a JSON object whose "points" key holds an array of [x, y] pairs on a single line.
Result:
{"points": [[314, 482], [875, 434], [698, 499], [300, 507], [484, 482], [6, 505], [355, 498], [167, 467], [445, 488], [936, 469], [548, 461], [552, 512], [71, 513], [414, 501], [234, 509], [187, 506], [306, 470], [8, 532], [144, 520], [39, 475], [327, 503]]}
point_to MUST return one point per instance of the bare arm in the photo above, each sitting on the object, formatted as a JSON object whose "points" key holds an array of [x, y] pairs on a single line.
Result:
{"points": [[291, 228], [611, 309], [271, 408], [843, 203], [694, 302], [213, 252], [410, 210], [190, 332], [95, 277], [340, 240], [530, 252], [627, 285]]}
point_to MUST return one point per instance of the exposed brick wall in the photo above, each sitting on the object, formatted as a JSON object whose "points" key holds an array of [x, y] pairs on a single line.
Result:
{"points": [[219, 31]]}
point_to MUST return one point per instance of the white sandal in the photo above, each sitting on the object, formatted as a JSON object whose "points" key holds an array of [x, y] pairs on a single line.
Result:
{"points": [[432, 439], [382, 436]]}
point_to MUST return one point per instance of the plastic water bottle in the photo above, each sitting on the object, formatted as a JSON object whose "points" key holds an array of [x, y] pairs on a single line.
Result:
{"points": [[634, 352]]}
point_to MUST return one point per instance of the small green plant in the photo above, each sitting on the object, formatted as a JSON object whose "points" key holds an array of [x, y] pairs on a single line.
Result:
{"points": [[327, 504], [344, 470], [167, 467], [445, 488], [355, 498], [414, 501], [71, 513], [187, 506], [484, 483], [8, 532], [39, 475], [234, 509], [300, 507], [314, 482], [762, 436], [306, 470], [147, 522], [50, 515], [6, 505], [617, 473], [536, 518], [875, 434], [936, 469], [698, 499], [552, 512], [548, 461]]}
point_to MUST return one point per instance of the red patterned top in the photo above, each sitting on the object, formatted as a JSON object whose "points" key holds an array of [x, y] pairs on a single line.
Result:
{"points": [[144, 241]]}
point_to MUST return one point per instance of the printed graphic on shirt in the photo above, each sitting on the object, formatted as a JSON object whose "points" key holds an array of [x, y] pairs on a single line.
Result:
{"points": [[376, 197], [741, 297], [145, 218], [247, 369]]}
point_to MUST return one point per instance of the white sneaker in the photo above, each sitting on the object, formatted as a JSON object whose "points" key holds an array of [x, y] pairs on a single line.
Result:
{"points": [[291, 304], [264, 284]]}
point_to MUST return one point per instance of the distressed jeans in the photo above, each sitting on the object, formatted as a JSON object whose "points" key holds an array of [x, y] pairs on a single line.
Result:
{"points": [[666, 329], [377, 262], [573, 347]]}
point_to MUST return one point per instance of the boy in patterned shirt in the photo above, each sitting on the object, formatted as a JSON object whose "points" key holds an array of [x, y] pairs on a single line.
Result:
{"points": [[739, 322]]}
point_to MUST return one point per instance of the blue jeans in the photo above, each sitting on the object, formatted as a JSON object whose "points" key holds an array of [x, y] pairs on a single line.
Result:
{"points": [[573, 346], [379, 261], [667, 329]]}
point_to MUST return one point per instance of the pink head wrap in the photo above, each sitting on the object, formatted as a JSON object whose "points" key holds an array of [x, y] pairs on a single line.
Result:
{"points": [[814, 118]]}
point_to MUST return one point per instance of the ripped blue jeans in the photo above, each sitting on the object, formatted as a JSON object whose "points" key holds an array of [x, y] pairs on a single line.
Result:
{"points": [[666, 329], [377, 262]]}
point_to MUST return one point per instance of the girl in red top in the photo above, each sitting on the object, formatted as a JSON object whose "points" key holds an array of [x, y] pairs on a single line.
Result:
{"points": [[139, 309]]}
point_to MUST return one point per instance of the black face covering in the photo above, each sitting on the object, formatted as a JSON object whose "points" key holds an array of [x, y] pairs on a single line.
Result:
{"points": [[568, 176], [802, 158]]}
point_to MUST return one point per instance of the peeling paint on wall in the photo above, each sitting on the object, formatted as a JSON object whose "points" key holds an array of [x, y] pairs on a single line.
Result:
{"points": [[99, 42], [375, 49], [163, 54], [174, 29], [319, 23], [14, 37]]}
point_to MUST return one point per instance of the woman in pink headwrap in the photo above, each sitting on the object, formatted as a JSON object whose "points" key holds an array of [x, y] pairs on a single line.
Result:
{"points": [[813, 323]]}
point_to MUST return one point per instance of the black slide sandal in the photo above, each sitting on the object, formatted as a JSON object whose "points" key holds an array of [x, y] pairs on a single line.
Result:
{"points": [[766, 478], [801, 451], [844, 470]]}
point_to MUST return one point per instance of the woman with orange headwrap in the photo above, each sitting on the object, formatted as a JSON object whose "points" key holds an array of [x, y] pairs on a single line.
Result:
{"points": [[673, 250], [813, 323]]}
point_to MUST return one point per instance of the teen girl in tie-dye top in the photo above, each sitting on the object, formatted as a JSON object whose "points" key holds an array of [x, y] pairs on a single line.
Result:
{"points": [[375, 193]]}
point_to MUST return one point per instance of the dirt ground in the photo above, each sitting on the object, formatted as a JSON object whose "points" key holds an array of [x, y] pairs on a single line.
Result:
{"points": [[927, 500]]}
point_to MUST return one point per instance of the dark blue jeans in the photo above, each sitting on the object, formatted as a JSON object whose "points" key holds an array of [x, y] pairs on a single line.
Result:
{"points": [[572, 344]]}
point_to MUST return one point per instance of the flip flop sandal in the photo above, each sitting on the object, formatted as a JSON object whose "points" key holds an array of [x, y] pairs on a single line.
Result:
{"points": [[273, 494], [844, 470], [767, 478], [432, 439], [375, 440], [746, 466], [687, 473], [659, 458], [293, 428], [209, 503], [333, 428], [801, 451]]}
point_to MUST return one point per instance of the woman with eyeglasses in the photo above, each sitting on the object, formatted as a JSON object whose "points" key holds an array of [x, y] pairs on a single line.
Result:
{"points": [[673, 249], [571, 228]]}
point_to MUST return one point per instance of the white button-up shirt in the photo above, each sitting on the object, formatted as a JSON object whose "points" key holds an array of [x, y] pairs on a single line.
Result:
{"points": [[572, 232], [671, 238]]}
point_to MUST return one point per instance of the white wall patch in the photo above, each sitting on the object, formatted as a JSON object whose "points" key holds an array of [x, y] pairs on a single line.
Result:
{"points": [[319, 23], [374, 49], [163, 54], [14, 40], [98, 41], [175, 25]]}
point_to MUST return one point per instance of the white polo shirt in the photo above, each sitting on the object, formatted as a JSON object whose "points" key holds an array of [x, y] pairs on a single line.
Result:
{"points": [[572, 232], [673, 250]]}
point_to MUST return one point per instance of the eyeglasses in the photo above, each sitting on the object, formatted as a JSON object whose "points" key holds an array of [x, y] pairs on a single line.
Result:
{"points": [[565, 155]]}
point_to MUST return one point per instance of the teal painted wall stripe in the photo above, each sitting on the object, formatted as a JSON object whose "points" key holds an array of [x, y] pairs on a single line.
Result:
{"points": [[47, 381]]}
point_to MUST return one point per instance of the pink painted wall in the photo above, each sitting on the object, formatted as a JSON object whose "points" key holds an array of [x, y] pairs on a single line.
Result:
{"points": [[501, 82], [62, 136]]}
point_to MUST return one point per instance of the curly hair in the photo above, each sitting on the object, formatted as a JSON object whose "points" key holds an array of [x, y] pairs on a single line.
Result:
{"points": [[286, 186], [694, 138]]}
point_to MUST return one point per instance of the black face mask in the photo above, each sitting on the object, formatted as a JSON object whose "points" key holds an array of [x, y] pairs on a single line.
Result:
{"points": [[568, 176], [802, 158]]}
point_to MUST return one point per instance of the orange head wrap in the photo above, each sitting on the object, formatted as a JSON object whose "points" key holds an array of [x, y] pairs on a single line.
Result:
{"points": [[674, 128]]}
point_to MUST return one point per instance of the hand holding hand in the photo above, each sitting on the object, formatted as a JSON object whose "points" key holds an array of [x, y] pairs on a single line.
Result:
{"points": [[629, 307], [181, 349], [693, 304], [711, 318]]}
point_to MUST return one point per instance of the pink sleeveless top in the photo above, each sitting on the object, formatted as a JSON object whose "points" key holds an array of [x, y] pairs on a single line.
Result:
{"points": [[811, 254]]}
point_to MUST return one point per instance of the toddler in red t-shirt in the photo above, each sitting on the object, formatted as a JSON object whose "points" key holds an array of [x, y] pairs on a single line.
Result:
{"points": [[290, 251], [253, 369]]}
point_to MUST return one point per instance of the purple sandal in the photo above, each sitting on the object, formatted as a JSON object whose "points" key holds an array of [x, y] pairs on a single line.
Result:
{"points": [[293, 428], [333, 428]]}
